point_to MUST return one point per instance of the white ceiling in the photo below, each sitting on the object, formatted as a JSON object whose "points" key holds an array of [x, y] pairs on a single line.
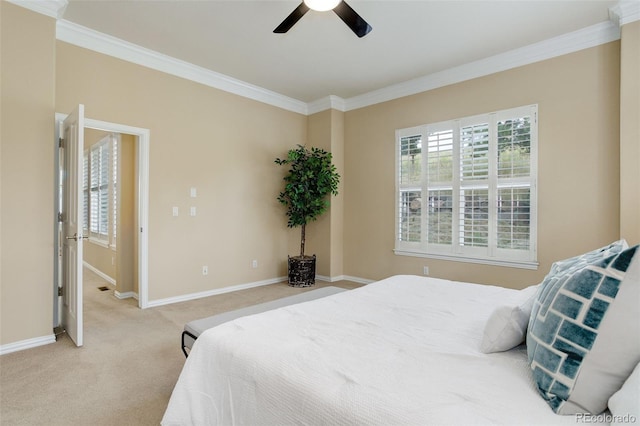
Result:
{"points": [[320, 56]]}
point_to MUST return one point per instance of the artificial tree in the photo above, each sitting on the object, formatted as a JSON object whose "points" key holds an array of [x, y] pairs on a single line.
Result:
{"points": [[312, 177]]}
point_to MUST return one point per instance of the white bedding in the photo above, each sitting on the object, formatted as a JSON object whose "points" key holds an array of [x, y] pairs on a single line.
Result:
{"points": [[401, 351]]}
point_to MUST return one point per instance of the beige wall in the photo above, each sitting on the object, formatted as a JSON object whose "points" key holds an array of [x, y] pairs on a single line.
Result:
{"points": [[127, 235], [26, 194], [630, 133], [324, 236], [318, 235], [219, 143], [337, 202], [224, 145], [578, 99]]}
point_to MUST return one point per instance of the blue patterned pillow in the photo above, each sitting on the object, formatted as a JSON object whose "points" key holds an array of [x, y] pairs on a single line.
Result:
{"points": [[583, 339], [590, 257]]}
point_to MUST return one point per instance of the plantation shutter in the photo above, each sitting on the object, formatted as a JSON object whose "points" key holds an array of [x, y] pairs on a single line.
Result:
{"points": [[440, 185], [94, 200], [85, 191], [514, 181], [104, 190], [99, 199], [409, 208], [466, 189], [473, 221], [114, 188]]}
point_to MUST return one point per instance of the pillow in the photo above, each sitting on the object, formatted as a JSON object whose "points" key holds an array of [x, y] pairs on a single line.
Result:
{"points": [[507, 325], [587, 258], [625, 404], [583, 339]]}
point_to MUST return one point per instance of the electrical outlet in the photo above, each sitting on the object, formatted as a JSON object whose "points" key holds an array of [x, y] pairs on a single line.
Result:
{"points": [[425, 270], [254, 263], [205, 270]]}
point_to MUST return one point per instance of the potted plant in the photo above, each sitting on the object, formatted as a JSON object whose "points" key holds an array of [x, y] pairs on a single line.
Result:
{"points": [[311, 179]]}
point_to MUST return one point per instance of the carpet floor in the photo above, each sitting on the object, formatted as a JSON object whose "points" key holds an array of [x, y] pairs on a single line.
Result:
{"points": [[127, 368]]}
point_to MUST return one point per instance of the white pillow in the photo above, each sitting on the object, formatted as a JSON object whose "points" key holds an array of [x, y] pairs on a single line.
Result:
{"points": [[625, 404], [507, 326]]}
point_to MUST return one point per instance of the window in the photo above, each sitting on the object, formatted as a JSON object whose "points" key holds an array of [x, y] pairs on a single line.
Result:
{"points": [[85, 193], [114, 190], [100, 196], [466, 189]]}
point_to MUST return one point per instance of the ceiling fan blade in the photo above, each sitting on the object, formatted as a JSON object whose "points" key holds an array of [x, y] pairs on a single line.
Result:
{"points": [[291, 20], [354, 21]]}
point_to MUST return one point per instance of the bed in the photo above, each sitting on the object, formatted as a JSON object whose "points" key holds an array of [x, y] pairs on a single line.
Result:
{"points": [[406, 350]]}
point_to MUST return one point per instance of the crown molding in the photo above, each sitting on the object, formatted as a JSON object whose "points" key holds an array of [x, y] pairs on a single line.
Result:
{"points": [[622, 13], [625, 12], [51, 8], [78, 35], [567, 43], [323, 104]]}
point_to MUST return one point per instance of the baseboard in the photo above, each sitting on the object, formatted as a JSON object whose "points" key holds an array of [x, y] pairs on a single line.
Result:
{"points": [[27, 344], [215, 292], [125, 295], [98, 272], [344, 278]]}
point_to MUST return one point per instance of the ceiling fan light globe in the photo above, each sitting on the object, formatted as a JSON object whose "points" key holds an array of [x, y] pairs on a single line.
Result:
{"points": [[321, 5]]}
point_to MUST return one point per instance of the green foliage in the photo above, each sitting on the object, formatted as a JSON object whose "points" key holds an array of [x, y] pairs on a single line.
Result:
{"points": [[311, 178], [514, 161]]}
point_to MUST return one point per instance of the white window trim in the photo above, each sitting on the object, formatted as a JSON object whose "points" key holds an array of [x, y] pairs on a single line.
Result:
{"points": [[522, 264], [491, 255]]}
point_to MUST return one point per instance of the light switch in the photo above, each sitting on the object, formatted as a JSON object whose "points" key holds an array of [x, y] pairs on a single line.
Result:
{"points": [[193, 211], [175, 211], [193, 192]]}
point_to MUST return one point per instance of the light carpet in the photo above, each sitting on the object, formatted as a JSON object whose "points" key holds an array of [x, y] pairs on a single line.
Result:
{"points": [[127, 368]]}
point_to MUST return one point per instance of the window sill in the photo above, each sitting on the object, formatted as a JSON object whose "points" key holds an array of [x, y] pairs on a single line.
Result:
{"points": [[98, 242], [521, 264]]}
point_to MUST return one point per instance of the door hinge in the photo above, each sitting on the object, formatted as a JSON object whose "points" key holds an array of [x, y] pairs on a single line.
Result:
{"points": [[60, 143], [60, 291], [60, 217]]}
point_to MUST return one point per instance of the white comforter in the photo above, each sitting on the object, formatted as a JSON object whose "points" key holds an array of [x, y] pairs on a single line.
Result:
{"points": [[402, 351]]}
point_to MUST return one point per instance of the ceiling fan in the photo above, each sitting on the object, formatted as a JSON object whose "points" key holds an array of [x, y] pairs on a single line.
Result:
{"points": [[350, 17]]}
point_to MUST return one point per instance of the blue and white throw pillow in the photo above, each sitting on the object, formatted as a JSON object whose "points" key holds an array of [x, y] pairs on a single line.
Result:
{"points": [[583, 339], [590, 257]]}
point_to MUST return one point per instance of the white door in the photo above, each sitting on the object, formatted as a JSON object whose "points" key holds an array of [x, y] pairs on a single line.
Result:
{"points": [[72, 201]]}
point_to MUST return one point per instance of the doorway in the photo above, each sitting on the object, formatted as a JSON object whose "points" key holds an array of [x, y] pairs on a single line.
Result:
{"points": [[109, 218], [134, 253]]}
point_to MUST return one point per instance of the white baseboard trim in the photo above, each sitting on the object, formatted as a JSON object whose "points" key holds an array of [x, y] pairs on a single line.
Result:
{"points": [[215, 292], [357, 279], [27, 344], [125, 295], [344, 278], [98, 272]]}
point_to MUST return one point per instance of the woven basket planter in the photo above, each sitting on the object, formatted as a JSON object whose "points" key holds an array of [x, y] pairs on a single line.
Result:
{"points": [[302, 271]]}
